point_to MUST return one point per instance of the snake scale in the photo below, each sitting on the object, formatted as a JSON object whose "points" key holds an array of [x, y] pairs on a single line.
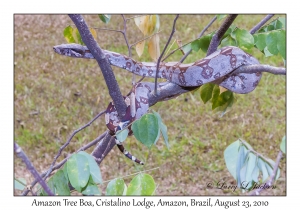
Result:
{"points": [[218, 67]]}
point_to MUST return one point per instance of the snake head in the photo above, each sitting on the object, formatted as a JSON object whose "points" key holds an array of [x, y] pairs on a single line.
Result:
{"points": [[73, 50]]}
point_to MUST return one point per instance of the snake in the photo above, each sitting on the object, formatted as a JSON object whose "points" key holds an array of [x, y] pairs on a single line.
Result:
{"points": [[217, 67]]}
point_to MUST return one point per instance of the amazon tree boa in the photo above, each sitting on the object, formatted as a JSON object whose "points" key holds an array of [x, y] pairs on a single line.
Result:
{"points": [[218, 67]]}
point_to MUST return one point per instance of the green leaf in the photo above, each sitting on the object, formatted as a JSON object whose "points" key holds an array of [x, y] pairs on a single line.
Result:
{"points": [[274, 25], [281, 23], [271, 164], [231, 157], [263, 169], [78, 36], [228, 98], [115, 187], [242, 174], [270, 27], [283, 145], [91, 189], [78, 171], [244, 39], [186, 48], [20, 183], [215, 96], [202, 43], [260, 41], [61, 183], [122, 134], [105, 18], [267, 52], [93, 166], [141, 184], [229, 30], [228, 41], [163, 129], [271, 42], [220, 17], [65, 170], [255, 172], [206, 92], [51, 185], [269, 169], [250, 168], [146, 129], [223, 98], [281, 43], [239, 165], [68, 34]]}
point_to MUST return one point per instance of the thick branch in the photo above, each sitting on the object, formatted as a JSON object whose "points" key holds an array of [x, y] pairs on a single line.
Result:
{"points": [[103, 148], [215, 41], [30, 167], [260, 24], [105, 67]]}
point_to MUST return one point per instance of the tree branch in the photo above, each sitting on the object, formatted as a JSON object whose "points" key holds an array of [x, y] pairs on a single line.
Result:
{"points": [[105, 67], [272, 178], [200, 35], [260, 24], [68, 142], [57, 166], [260, 68], [219, 34], [162, 54], [103, 148], [30, 167]]}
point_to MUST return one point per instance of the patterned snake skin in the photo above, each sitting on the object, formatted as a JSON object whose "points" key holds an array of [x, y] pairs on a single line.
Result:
{"points": [[219, 66]]}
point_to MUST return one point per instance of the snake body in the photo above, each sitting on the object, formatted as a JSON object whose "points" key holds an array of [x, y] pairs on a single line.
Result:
{"points": [[218, 67]]}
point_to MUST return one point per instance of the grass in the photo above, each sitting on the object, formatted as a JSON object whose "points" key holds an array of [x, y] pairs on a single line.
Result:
{"points": [[54, 95]]}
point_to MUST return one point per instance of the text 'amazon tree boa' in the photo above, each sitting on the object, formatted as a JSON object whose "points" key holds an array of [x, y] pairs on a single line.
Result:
{"points": [[218, 67]]}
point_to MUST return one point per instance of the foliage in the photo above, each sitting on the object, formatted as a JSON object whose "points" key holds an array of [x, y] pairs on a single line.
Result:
{"points": [[72, 35], [247, 166], [105, 18], [141, 184], [148, 25]]}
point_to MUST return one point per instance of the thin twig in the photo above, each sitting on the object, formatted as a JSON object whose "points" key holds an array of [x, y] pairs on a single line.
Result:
{"points": [[132, 174], [173, 51], [124, 32], [272, 178], [200, 35], [57, 166], [162, 54], [219, 34], [260, 24], [108, 29], [69, 140], [260, 68], [31, 168], [147, 37]]}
